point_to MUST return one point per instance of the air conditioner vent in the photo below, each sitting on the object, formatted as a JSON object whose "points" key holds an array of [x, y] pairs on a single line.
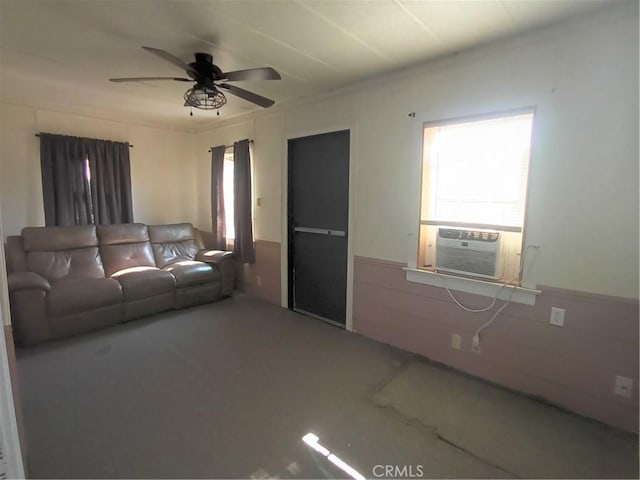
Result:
{"points": [[471, 252]]}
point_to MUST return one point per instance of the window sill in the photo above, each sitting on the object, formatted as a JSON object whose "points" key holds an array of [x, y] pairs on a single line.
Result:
{"points": [[526, 296]]}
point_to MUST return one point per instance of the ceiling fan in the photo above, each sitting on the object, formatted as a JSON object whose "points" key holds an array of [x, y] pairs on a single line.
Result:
{"points": [[210, 80]]}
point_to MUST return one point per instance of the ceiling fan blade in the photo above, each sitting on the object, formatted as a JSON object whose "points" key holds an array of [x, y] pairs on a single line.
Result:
{"points": [[249, 96], [141, 79], [173, 59], [264, 73]]}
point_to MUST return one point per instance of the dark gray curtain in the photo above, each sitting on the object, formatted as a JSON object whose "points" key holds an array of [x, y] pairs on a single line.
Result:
{"points": [[65, 189], [110, 181], [217, 198], [243, 244], [72, 195]]}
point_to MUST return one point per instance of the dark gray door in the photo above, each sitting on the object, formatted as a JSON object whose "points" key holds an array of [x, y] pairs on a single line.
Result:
{"points": [[318, 214]]}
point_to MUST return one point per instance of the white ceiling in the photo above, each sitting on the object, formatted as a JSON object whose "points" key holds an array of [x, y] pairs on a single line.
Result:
{"points": [[59, 54]]}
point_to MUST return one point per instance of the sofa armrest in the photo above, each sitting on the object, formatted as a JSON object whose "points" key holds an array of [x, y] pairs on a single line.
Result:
{"points": [[224, 261], [27, 281], [27, 298], [214, 256]]}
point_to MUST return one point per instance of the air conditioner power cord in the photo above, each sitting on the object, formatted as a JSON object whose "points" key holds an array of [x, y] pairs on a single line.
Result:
{"points": [[475, 341]]}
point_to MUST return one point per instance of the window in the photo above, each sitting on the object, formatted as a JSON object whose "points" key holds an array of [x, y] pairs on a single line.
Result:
{"points": [[228, 189], [231, 199], [85, 180], [474, 185]]}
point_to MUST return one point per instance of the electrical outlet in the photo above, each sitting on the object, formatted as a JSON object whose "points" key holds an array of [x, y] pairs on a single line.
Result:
{"points": [[456, 341], [259, 202], [623, 386], [557, 317], [259, 281], [475, 344]]}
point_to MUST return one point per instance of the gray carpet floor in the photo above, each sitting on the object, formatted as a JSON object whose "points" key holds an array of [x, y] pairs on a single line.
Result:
{"points": [[228, 390]]}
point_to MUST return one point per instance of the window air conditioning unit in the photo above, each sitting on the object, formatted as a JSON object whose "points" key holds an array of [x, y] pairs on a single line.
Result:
{"points": [[471, 252]]}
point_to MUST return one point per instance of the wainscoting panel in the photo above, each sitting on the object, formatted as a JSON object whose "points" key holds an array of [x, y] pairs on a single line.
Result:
{"points": [[262, 279], [573, 366]]}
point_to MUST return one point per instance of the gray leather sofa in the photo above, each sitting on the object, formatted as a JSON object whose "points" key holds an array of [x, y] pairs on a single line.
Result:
{"points": [[69, 280]]}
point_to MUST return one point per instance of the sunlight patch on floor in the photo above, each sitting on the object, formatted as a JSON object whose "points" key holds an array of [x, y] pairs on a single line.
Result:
{"points": [[312, 440]]}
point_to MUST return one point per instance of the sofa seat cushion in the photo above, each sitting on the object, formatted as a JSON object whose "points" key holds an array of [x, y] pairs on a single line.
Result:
{"points": [[144, 282], [191, 272], [76, 295]]}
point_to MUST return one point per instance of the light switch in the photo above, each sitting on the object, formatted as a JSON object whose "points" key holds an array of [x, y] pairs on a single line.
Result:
{"points": [[557, 317]]}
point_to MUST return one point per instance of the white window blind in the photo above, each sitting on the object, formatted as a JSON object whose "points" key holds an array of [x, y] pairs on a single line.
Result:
{"points": [[476, 171]]}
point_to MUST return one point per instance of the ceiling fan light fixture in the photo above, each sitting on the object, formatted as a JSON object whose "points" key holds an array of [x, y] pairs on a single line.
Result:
{"points": [[204, 98]]}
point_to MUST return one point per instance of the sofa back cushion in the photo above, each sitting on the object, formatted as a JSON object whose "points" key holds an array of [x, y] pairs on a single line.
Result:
{"points": [[123, 246], [173, 243], [62, 252]]}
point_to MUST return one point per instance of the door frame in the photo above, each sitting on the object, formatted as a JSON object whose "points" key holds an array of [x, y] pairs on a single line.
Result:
{"points": [[284, 245], [9, 434]]}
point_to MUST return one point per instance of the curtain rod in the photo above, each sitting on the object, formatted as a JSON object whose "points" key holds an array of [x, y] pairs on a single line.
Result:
{"points": [[130, 146], [228, 146]]}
